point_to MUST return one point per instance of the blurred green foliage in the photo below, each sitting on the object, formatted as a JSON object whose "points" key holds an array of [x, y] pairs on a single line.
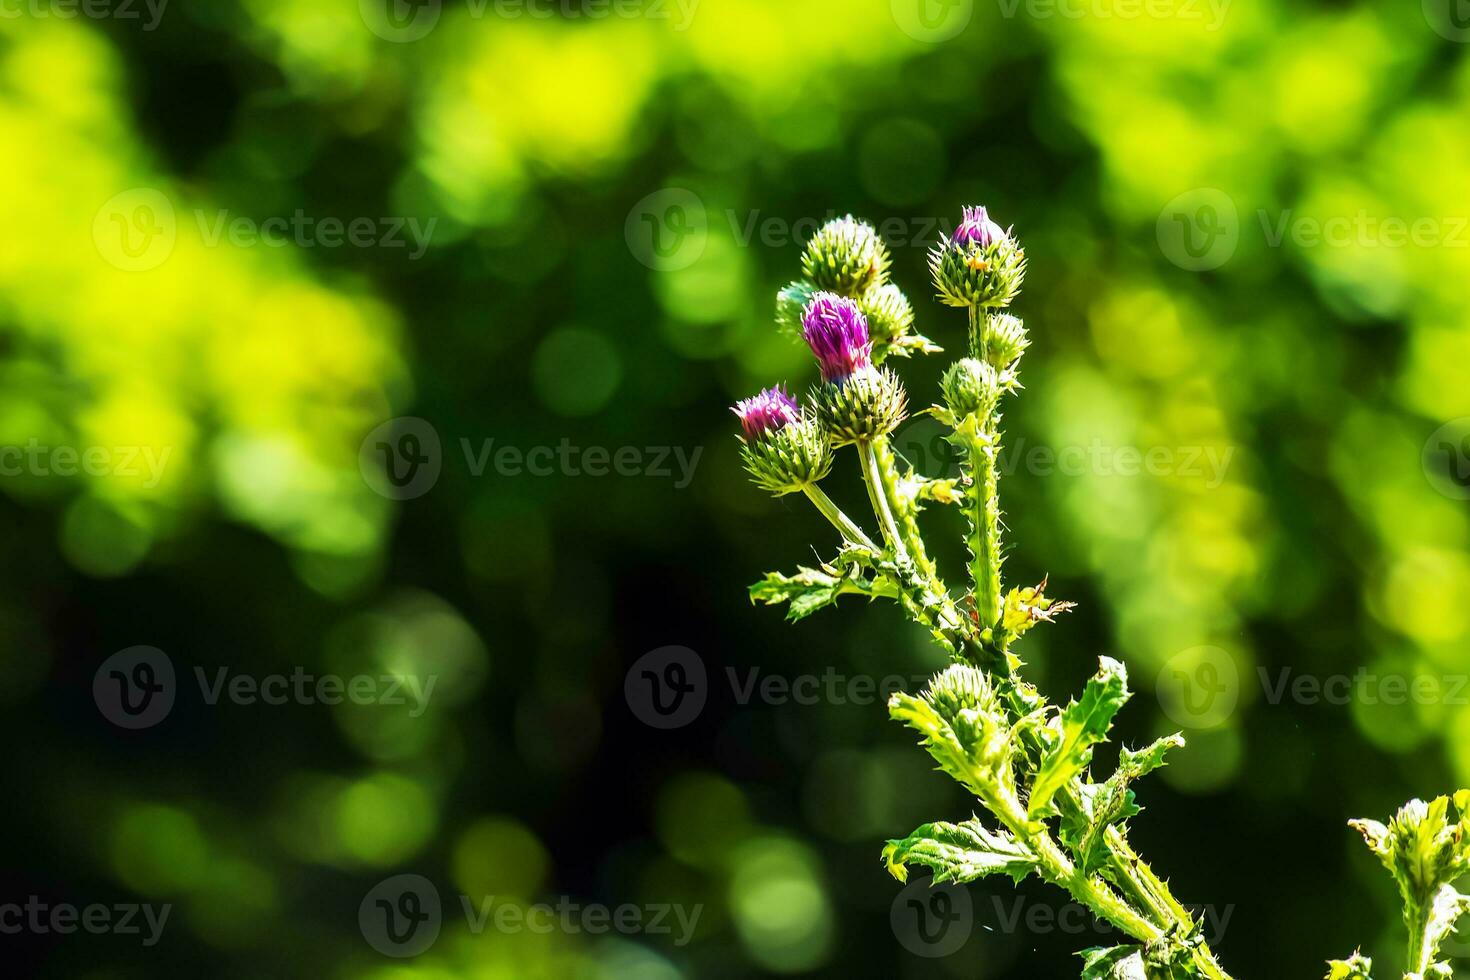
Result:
{"points": [[1315, 373]]}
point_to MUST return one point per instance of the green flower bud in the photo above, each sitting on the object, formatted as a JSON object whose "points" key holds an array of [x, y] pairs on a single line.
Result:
{"points": [[970, 387], [846, 257], [862, 406], [788, 459], [889, 313], [982, 265], [1005, 339], [791, 303]]}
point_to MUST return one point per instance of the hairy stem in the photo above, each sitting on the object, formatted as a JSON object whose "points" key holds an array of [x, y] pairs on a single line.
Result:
{"points": [[904, 511], [880, 493], [984, 515], [841, 521]]}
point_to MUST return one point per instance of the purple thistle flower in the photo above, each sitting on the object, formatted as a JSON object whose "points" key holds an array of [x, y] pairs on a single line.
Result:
{"points": [[837, 332], [978, 229], [767, 412]]}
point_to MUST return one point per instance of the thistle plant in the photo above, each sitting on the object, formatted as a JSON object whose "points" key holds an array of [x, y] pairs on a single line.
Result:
{"points": [[1027, 761]]}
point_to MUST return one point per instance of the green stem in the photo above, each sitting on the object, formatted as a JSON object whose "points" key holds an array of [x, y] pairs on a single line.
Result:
{"points": [[839, 520], [977, 332], [1420, 952], [984, 503], [879, 492], [904, 512], [1055, 867]]}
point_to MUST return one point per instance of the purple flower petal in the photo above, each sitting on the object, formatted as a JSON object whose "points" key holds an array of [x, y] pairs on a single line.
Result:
{"points": [[837, 332], [767, 412], [978, 229]]}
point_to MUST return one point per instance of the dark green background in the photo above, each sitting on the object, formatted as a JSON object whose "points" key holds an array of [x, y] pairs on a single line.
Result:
{"points": [[1331, 542]]}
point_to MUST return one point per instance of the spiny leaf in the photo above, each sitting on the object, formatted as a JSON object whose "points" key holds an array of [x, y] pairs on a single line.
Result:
{"points": [[1082, 725], [1115, 963], [1148, 758], [1425, 851], [1355, 967], [1024, 608], [1112, 802], [959, 852]]}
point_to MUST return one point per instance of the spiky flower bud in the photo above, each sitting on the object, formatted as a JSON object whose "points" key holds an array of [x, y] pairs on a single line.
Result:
{"points": [[837, 332], [766, 413], [846, 256], [982, 265], [889, 313], [959, 688], [791, 304], [861, 407], [978, 229], [1005, 339], [855, 402], [782, 451], [971, 387]]}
